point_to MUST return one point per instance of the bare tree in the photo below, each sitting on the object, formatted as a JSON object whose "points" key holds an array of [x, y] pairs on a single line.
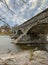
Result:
{"points": [[2, 19], [4, 2], [25, 2], [11, 10]]}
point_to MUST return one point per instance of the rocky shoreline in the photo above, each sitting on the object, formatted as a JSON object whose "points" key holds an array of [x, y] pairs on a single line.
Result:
{"points": [[25, 58]]}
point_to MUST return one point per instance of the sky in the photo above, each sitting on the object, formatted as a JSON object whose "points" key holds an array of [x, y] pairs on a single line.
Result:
{"points": [[16, 12]]}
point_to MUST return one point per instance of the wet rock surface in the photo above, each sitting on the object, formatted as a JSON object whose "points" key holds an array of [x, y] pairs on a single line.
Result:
{"points": [[25, 58]]}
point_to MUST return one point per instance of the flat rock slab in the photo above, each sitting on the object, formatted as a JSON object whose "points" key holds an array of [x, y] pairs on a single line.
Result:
{"points": [[23, 58]]}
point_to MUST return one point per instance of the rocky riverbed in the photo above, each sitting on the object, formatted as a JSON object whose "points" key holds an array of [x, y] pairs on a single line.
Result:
{"points": [[25, 58]]}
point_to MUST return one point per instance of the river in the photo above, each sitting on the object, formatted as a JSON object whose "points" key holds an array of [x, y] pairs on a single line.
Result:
{"points": [[6, 45], [38, 57]]}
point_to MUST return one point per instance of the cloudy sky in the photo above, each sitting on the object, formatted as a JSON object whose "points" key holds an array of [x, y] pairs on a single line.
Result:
{"points": [[18, 11]]}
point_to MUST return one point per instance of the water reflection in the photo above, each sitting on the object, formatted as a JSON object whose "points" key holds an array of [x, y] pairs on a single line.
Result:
{"points": [[6, 45]]}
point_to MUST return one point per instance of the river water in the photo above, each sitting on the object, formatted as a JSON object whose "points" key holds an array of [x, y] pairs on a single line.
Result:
{"points": [[6, 45]]}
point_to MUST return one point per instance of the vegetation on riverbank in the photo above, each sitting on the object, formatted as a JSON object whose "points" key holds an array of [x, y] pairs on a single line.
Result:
{"points": [[5, 30], [5, 33]]}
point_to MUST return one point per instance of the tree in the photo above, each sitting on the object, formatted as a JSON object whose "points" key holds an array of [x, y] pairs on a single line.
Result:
{"points": [[2, 19], [11, 10]]}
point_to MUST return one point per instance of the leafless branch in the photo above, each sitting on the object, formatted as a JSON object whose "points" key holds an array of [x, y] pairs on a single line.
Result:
{"points": [[8, 7], [2, 19], [25, 2]]}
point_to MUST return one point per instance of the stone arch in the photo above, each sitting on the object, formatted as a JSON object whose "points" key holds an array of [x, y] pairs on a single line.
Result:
{"points": [[38, 30], [14, 31], [19, 32]]}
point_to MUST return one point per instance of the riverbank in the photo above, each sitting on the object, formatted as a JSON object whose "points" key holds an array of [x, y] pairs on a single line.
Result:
{"points": [[25, 58]]}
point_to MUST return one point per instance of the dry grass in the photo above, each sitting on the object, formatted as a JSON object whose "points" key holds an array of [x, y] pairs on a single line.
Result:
{"points": [[30, 55]]}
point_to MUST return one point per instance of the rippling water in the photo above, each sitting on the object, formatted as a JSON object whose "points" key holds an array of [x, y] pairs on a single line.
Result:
{"points": [[6, 45]]}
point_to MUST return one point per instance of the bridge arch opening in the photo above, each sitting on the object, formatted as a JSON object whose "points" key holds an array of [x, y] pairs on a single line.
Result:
{"points": [[19, 32], [38, 31]]}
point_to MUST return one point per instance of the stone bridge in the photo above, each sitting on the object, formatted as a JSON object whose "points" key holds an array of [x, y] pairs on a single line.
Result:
{"points": [[34, 29]]}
